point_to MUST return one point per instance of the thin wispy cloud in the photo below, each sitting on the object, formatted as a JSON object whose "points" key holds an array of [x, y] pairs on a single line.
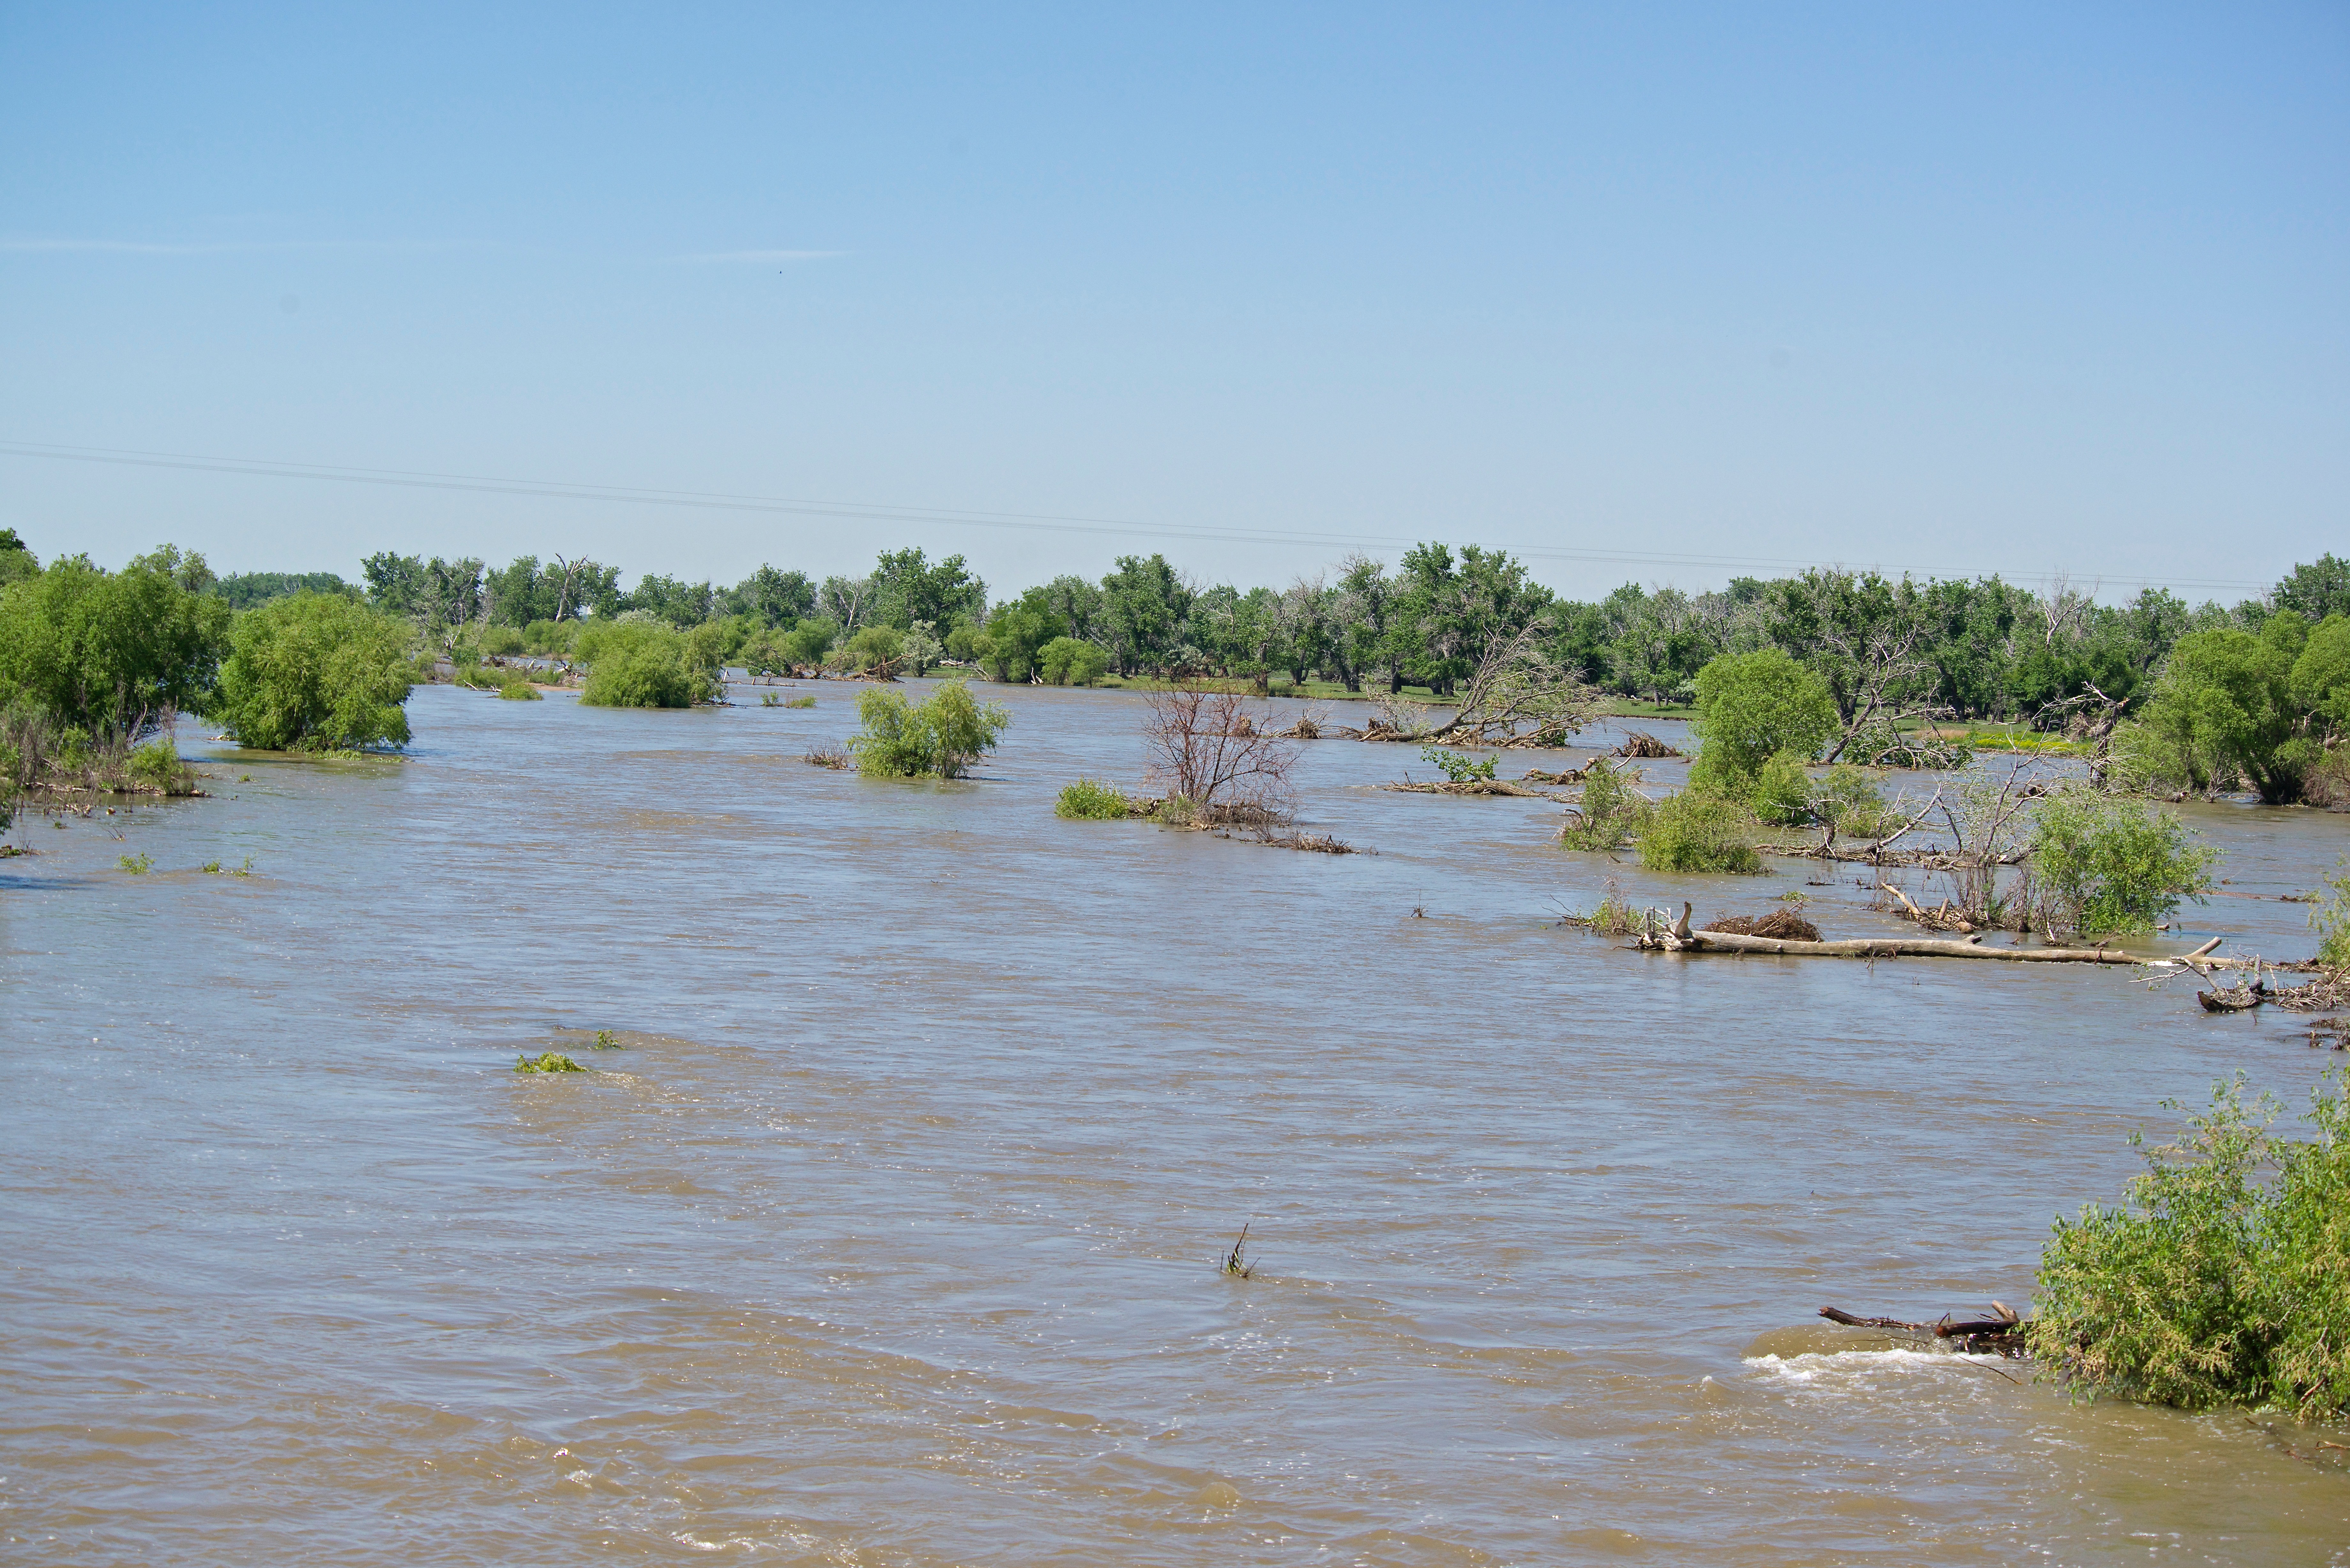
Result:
{"points": [[215, 247], [124, 247], [759, 256]]}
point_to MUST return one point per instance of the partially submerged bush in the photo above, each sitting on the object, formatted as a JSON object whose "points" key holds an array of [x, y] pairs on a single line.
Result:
{"points": [[314, 672], [646, 664], [2101, 864], [1783, 791], [941, 737], [1612, 811], [1090, 800], [2330, 919], [1754, 707], [1615, 917], [547, 1061], [156, 766], [1456, 767], [2208, 1285], [518, 688], [1847, 801], [1693, 831]]}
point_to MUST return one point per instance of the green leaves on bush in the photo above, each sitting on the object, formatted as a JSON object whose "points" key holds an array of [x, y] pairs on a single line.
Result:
{"points": [[1612, 809], [2206, 1285], [2330, 919], [157, 766], [646, 664], [1071, 662], [1457, 768], [1090, 800], [111, 653], [940, 737], [2108, 865], [1693, 831], [314, 672], [1752, 708], [2234, 704], [137, 865], [547, 1061]]}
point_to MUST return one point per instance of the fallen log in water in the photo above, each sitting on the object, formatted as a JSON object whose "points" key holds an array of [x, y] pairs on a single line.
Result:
{"points": [[2002, 1334], [1469, 786], [1877, 947]]}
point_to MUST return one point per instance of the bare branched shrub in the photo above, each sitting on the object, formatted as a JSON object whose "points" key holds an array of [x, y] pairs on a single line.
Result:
{"points": [[1205, 748], [1521, 696]]}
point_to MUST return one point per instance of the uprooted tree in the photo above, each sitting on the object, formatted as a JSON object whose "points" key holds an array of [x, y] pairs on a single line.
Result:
{"points": [[1522, 696]]}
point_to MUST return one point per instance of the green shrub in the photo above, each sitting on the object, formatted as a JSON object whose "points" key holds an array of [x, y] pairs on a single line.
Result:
{"points": [[2106, 865], [314, 672], [137, 865], [157, 766], [2207, 1286], [1071, 662], [502, 641], [942, 736], [547, 1061], [1612, 809], [518, 688], [544, 637], [1457, 768], [1847, 800], [1783, 791], [2330, 919], [1751, 706], [878, 647], [1697, 832], [643, 664], [1089, 800]]}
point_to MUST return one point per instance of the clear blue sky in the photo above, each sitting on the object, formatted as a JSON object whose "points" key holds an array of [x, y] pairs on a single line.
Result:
{"points": [[2012, 289]]}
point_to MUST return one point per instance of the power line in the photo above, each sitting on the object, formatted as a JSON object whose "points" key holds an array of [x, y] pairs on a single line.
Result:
{"points": [[875, 512]]}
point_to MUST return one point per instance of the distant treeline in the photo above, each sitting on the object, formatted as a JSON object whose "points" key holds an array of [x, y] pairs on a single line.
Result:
{"points": [[1978, 648]]}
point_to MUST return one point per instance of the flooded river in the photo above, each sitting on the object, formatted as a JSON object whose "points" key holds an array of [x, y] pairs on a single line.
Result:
{"points": [[893, 1233]]}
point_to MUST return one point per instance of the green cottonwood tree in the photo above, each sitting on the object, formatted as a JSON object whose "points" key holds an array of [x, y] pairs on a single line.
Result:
{"points": [[2224, 705], [314, 672], [1754, 707], [112, 652]]}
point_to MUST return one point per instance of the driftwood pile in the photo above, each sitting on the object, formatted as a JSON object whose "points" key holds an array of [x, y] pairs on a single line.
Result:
{"points": [[2000, 1335], [1943, 919], [1777, 923], [1641, 744]]}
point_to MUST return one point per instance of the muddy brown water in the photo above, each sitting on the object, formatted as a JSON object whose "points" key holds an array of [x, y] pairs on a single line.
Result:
{"points": [[892, 1234]]}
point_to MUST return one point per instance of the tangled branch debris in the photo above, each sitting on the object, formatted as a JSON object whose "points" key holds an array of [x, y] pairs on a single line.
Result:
{"points": [[1782, 923], [1641, 744], [2001, 1333]]}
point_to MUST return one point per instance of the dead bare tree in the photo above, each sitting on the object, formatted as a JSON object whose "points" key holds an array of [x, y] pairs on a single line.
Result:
{"points": [[1207, 748]]}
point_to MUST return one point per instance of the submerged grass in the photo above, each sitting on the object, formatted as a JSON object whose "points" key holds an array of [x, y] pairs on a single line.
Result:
{"points": [[547, 1061]]}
